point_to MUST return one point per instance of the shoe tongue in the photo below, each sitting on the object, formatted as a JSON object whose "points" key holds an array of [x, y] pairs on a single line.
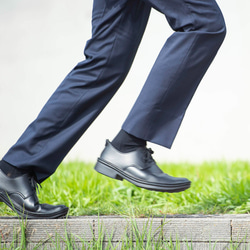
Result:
{"points": [[27, 185]]}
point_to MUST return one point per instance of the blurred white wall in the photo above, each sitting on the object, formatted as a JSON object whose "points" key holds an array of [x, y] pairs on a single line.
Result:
{"points": [[41, 41]]}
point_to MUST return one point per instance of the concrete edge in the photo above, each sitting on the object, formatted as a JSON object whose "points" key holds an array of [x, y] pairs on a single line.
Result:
{"points": [[201, 231]]}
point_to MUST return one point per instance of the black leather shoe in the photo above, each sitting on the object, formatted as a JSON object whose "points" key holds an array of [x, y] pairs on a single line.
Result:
{"points": [[139, 168], [20, 195]]}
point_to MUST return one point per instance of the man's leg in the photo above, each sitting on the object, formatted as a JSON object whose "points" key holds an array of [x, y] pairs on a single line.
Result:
{"points": [[158, 112], [199, 31], [117, 29]]}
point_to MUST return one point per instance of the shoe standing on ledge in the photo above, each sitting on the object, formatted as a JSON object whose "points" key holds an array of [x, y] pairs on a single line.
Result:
{"points": [[139, 168], [20, 195]]}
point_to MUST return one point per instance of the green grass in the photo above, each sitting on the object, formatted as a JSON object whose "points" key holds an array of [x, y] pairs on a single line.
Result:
{"points": [[217, 187]]}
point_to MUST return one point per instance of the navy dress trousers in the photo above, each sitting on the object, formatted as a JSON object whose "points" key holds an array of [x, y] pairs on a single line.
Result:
{"points": [[117, 29]]}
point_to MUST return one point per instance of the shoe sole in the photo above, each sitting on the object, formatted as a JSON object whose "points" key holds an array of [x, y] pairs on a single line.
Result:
{"points": [[114, 172], [31, 215]]}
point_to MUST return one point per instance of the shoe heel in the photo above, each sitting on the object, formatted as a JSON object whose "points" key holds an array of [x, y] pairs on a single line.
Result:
{"points": [[106, 170]]}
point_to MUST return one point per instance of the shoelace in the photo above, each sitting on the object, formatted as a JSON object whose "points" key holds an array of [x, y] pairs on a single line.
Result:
{"points": [[148, 155], [34, 184]]}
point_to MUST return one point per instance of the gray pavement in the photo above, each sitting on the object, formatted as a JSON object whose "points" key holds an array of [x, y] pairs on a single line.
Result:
{"points": [[184, 231]]}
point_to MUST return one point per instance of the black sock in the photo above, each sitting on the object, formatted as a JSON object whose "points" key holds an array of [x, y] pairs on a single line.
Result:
{"points": [[11, 171], [125, 142]]}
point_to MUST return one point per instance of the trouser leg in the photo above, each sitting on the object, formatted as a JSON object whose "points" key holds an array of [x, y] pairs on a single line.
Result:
{"points": [[199, 31], [117, 28]]}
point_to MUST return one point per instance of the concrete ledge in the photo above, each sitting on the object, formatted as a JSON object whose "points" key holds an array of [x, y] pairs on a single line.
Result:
{"points": [[186, 232]]}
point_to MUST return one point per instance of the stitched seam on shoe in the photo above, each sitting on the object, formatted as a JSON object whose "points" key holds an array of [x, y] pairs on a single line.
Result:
{"points": [[109, 164]]}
